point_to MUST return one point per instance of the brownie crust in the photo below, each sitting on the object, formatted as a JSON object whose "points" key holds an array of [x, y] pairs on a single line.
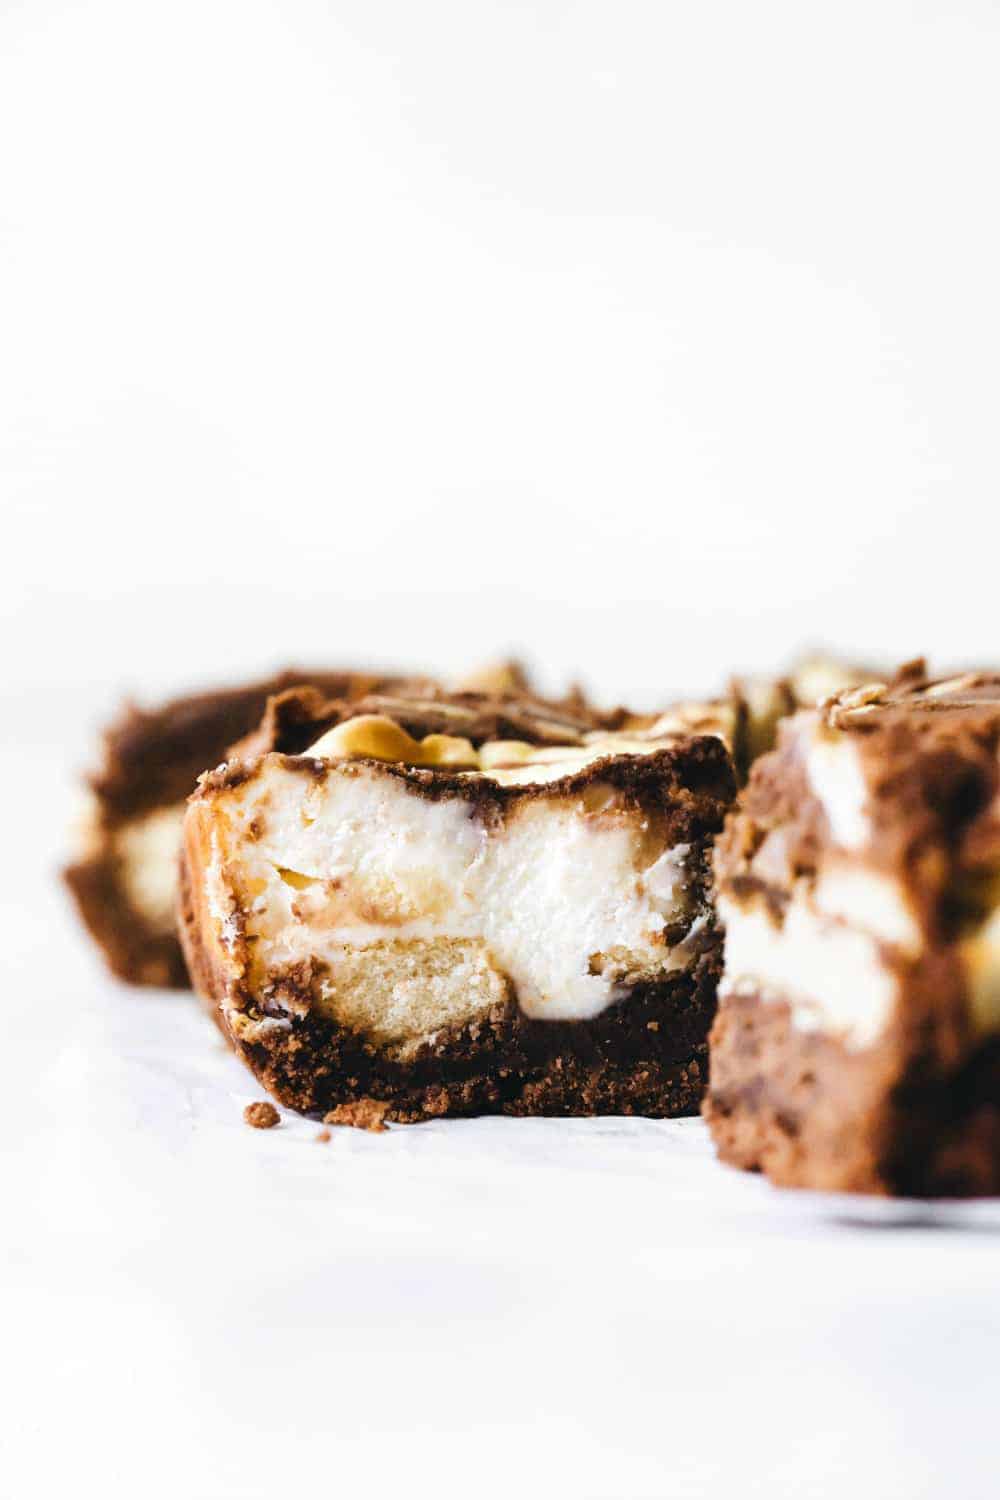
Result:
{"points": [[808, 1112]]}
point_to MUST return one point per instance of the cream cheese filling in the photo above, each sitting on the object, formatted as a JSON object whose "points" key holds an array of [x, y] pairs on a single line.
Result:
{"points": [[567, 903], [869, 900], [834, 977], [872, 902], [837, 778], [148, 849]]}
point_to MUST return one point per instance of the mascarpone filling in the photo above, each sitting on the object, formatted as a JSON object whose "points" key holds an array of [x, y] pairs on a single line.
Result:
{"points": [[569, 904]]}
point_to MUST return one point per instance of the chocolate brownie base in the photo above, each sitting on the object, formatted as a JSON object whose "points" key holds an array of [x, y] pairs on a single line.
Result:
{"points": [[809, 1112]]}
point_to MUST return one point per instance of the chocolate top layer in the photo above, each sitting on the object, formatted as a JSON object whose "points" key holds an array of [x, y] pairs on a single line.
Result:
{"points": [[915, 699], [695, 765], [295, 719]]}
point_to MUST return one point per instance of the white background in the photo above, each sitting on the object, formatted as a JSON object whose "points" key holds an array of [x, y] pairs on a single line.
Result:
{"points": [[654, 340], [648, 337]]}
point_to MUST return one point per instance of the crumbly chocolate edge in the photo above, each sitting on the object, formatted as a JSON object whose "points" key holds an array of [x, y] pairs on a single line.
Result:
{"points": [[899, 1118]]}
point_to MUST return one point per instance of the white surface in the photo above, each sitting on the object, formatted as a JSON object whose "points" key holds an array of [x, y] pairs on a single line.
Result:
{"points": [[652, 337], [499, 1308]]}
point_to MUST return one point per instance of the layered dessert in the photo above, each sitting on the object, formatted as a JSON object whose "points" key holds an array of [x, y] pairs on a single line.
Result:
{"points": [[424, 905], [857, 1042], [123, 876]]}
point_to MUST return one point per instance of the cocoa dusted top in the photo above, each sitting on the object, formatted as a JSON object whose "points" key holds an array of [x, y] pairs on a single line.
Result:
{"points": [[916, 699], [297, 720], [479, 717]]}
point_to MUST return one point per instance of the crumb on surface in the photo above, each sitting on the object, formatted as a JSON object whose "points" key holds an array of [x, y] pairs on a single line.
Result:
{"points": [[322, 1135], [363, 1114], [261, 1115]]}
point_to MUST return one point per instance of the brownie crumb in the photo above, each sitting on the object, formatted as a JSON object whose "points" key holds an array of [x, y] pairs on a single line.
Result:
{"points": [[363, 1114], [322, 1135], [261, 1115]]}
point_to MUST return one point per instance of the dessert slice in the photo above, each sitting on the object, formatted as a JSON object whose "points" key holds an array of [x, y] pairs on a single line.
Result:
{"points": [[462, 904], [124, 875], [857, 1044]]}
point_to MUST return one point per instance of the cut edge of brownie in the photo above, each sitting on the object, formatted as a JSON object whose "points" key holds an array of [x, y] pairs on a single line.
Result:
{"points": [[810, 1112], [645, 1053]]}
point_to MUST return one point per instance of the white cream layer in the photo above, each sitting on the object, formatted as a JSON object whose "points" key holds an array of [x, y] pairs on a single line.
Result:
{"points": [[149, 848], [833, 977], [568, 902], [868, 900], [836, 776]]}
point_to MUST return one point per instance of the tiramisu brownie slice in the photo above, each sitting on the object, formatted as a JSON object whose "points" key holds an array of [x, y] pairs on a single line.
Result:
{"points": [[462, 904], [124, 874], [857, 1044]]}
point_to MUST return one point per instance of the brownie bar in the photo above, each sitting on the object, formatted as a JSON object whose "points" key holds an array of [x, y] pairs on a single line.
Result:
{"points": [[462, 904], [857, 1043]]}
